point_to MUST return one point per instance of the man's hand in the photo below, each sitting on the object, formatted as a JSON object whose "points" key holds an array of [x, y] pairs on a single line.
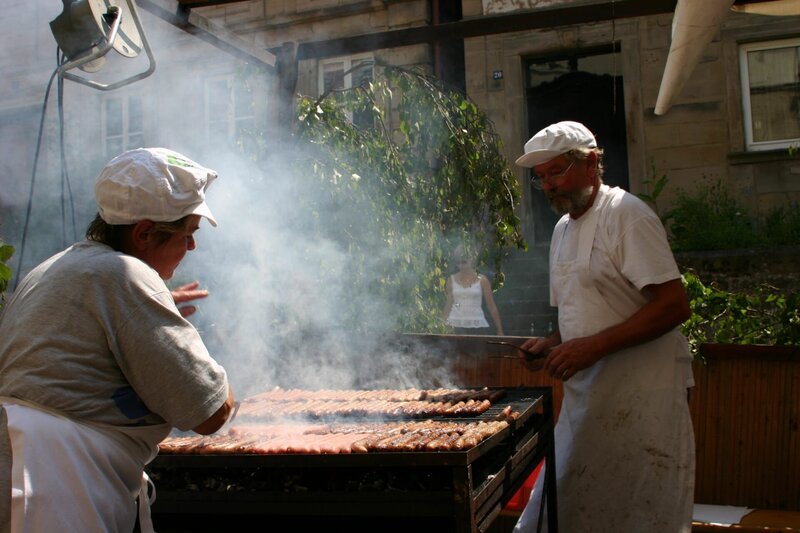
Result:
{"points": [[187, 293], [535, 345], [572, 356]]}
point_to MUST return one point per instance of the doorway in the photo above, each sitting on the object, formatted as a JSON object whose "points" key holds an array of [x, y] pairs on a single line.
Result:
{"points": [[584, 86]]}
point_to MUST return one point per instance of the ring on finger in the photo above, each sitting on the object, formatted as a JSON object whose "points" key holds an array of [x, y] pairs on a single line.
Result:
{"points": [[564, 375]]}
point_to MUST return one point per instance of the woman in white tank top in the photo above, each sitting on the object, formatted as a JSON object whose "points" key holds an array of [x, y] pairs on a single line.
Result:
{"points": [[466, 291]]}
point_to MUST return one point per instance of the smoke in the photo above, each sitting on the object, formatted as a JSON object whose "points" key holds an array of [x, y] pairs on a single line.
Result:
{"points": [[278, 295], [274, 316]]}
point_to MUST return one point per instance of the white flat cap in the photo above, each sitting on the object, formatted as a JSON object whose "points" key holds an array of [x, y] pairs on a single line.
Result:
{"points": [[554, 140], [152, 184]]}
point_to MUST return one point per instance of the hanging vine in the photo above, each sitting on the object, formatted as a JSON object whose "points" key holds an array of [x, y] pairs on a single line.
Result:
{"points": [[411, 168]]}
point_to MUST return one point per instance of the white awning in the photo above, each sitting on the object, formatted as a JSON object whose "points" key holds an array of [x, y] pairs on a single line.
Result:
{"points": [[694, 26]]}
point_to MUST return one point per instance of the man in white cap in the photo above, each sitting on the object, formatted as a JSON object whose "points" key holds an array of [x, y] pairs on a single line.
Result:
{"points": [[624, 439], [97, 363]]}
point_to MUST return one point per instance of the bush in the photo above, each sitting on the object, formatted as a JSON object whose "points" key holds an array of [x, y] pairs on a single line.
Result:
{"points": [[712, 219], [781, 226], [709, 219], [764, 315]]}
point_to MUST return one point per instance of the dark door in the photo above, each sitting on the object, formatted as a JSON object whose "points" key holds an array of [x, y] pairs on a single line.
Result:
{"points": [[584, 88]]}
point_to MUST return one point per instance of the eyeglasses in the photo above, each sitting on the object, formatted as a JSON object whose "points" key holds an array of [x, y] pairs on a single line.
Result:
{"points": [[538, 182]]}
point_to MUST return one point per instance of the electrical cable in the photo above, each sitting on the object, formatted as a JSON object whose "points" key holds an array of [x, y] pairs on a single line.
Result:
{"points": [[65, 184], [33, 174], [614, 58]]}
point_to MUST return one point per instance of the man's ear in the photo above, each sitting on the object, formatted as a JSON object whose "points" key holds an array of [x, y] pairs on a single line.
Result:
{"points": [[142, 234], [591, 164]]}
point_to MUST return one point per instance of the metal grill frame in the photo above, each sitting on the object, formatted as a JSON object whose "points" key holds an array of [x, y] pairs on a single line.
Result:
{"points": [[476, 482]]}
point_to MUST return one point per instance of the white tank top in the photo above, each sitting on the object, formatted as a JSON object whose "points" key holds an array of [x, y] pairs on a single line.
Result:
{"points": [[467, 311]]}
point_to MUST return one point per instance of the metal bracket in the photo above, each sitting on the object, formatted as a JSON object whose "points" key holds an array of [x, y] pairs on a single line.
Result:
{"points": [[63, 70]]}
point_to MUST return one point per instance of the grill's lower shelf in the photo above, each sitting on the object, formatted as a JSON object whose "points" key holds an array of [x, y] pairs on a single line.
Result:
{"points": [[413, 492], [299, 523]]}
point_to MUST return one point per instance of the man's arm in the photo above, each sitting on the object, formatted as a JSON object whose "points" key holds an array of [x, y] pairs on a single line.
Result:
{"points": [[667, 307], [219, 418]]}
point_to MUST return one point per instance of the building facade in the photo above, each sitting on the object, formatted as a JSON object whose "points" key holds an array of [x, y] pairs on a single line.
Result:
{"points": [[524, 63], [527, 64]]}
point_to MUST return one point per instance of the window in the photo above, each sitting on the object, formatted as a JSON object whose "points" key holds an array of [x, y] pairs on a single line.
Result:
{"points": [[123, 122], [229, 111], [346, 73], [770, 74]]}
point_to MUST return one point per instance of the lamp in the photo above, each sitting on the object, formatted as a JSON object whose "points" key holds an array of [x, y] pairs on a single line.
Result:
{"points": [[88, 29]]}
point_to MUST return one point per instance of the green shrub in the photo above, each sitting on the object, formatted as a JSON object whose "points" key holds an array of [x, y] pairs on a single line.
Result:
{"points": [[710, 218], [781, 226], [764, 315]]}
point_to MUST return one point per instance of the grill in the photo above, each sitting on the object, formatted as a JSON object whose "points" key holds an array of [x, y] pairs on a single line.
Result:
{"points": [[457, 490]]}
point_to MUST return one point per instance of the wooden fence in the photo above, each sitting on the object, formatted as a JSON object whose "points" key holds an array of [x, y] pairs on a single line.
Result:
{"points": [[745, 408]]}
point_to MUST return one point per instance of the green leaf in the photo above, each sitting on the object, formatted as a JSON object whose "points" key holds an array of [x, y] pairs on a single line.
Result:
{"points": [[6, 251]]}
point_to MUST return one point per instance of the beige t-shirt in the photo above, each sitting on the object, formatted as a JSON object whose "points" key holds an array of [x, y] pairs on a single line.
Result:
{"points": [[95, 334]]}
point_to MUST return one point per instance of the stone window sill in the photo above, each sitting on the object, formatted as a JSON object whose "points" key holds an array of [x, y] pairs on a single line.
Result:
{"points": [[761, 156]]}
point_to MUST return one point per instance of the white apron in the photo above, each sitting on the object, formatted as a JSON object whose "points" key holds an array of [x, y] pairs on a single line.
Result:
{"points": [[624, 439], [77, 476]]}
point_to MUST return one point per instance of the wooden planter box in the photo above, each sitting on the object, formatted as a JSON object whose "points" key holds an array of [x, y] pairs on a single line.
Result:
{"points": [[746, 409], [749, 351]]}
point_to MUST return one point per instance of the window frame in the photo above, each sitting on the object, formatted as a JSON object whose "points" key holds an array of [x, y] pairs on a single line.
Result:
{"points": [[127, 133], [348, 64], [347, 82], [231, 120], [747, 111]]}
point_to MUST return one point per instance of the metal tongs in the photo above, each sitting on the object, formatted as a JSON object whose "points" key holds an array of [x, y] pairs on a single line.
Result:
{"points": [[529, 355]]}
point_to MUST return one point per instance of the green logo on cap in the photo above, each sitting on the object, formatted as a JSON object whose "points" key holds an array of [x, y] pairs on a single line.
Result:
{"points": [[172, 160]]}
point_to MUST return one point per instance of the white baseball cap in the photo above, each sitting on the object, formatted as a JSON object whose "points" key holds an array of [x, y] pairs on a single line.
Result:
{"points": [[152, 184], [554, 140]]}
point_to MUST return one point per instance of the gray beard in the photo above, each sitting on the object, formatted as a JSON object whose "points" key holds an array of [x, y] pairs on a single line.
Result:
{"points": [[573, 202]]}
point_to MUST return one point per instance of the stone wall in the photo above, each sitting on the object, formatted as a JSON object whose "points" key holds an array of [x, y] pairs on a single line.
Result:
{"points": [[524, 305], [524, 300], [739, 270]]}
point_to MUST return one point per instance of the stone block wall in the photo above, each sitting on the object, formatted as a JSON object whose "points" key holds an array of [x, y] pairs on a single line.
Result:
{"points": [[524, 300], [740, 270]]}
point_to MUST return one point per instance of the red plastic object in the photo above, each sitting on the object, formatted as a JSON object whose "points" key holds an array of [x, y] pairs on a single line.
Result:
{"points": [[520, 498]]}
